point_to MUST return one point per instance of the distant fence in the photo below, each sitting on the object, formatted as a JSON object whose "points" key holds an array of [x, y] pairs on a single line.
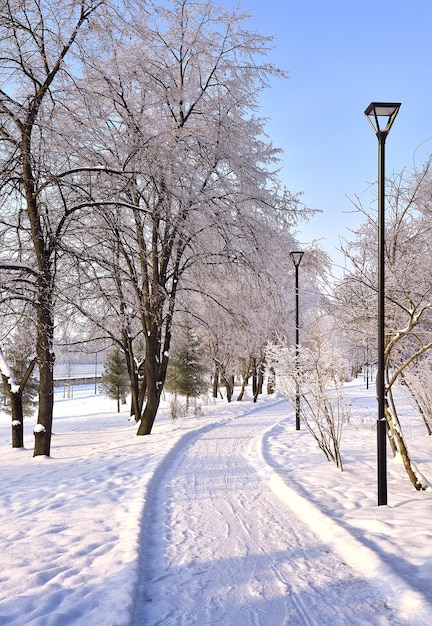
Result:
{"points": [[73, 382]]}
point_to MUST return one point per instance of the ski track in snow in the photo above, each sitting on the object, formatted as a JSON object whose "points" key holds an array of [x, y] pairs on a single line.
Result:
{"points": [[220, 545]]}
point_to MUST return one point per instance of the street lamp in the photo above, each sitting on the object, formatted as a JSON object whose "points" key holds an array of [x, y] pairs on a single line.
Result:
{"points": [[375, 111], [296, 257]]}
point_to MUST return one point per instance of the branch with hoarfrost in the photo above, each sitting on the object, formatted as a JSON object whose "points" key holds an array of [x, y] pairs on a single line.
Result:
{"points": [[16, 266]]}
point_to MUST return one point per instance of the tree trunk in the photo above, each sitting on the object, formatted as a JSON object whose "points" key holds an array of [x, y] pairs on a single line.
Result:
{"points": [[133, 377], [413, 474], [141, 397], [229, 386], [390, 435], [46, 357], [17, 414], [17, 423], [155, 378], [150, 410], [245, 380], [261, 370], [271, 381], [17, 406], [254, 378], [259, 378], [44, 303], [215, 383]]}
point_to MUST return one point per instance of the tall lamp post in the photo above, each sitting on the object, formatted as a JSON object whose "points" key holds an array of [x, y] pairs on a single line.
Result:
{"points": [[296, 257], [386, 112]]}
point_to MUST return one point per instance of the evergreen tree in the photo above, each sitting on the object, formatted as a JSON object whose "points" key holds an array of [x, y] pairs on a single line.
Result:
{"points": [[186, 374], [115, 378]]}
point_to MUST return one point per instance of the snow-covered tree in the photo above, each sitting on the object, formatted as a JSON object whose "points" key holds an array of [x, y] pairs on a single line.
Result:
{"points": [[174, 115], [37, 38]]}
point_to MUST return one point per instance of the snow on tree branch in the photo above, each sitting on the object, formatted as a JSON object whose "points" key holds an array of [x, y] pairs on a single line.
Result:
{"points": [[16, 266]]}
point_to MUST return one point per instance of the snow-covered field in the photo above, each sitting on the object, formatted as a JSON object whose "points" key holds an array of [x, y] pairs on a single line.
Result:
{"points": [[231, 518]]}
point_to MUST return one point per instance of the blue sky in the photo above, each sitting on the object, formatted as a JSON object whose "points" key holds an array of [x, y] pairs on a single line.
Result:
{"points": [[341, 55]]}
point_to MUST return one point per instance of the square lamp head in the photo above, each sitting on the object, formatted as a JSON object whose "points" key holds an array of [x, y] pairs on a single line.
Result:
{"points": [[384, 111]]}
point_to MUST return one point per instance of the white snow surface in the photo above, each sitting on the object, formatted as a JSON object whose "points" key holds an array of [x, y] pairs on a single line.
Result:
{"points": [[227, 518]]}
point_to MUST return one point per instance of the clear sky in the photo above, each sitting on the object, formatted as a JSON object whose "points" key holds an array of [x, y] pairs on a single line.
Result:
{"points": [[341, 55]]}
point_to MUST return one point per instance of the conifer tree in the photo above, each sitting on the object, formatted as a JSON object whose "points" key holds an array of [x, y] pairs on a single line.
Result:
{"points": [[115, 378], [186, 374]]}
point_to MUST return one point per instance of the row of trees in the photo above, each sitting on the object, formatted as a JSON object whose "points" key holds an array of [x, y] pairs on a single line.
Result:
{"points": [[140, 195], [138, 187]]}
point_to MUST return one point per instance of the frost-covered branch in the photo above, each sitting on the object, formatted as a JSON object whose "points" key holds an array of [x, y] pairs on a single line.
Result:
{"points": [[16, 266]]}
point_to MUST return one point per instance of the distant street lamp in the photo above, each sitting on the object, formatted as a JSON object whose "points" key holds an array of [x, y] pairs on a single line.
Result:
{"points": [[375, 111], [95, 373], [296, 259]]}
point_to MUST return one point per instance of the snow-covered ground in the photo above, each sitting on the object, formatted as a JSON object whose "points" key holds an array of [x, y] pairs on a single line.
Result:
{"points": [[231, 517]]}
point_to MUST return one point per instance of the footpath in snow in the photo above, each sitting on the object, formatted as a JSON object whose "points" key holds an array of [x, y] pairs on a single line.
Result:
{"points": [[220, 546], [230, 518]]}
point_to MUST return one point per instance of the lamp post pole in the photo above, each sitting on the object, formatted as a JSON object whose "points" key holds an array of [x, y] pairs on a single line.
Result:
{"points": [[374, 111], [296, 259], [381, 390], [95, 373]]}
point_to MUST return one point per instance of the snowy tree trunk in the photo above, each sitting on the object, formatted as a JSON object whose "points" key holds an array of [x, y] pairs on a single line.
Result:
{"points": [[416, 478], [15, 398], [215, 383], [261, 369], [245, 379], [17, 421], [141, 396], [155, 372], [15, 393], [259, 375], [150, 410], [133, 377], [229, 386], [46, 357], [254, 379], [271, 381]]}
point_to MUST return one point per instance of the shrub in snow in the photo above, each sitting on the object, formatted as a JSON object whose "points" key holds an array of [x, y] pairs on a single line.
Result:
{"points": [[318, 376]]}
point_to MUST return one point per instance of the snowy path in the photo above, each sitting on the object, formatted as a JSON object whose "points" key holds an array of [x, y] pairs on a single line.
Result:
{"points": [[219, 547]]}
